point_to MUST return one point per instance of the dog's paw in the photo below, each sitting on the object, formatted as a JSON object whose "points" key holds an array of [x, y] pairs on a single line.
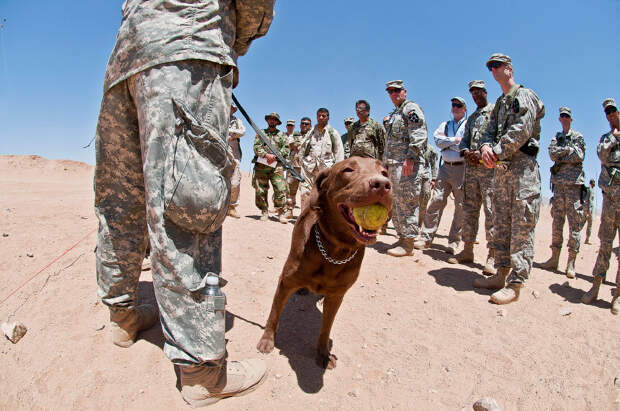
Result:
{"points": [[326, 360], [265, 345]]}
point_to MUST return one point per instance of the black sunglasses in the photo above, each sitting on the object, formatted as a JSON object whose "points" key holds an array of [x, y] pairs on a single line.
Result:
{"points": [[457, 105], [564, 115], [610, 109], [305, 123], [493, 65]]}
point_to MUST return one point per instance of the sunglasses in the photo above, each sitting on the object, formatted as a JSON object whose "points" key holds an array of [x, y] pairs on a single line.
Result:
{"points": [[457, 105], [564, 115], [305, 123], [493, 65], [610, 109], [394, 90]]}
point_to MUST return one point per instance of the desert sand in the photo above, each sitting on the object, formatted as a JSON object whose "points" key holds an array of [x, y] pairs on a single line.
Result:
{"points": [[412, 333]]}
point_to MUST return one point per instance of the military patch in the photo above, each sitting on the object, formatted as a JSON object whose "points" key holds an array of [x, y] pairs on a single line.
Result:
{"points": [[516, 106], [413, 117]]}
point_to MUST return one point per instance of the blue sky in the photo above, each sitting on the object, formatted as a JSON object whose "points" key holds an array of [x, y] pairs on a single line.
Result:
{"points": [[323, 53]]}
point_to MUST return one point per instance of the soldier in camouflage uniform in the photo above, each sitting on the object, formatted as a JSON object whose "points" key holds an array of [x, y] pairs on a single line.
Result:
{"points": [[609, 182], [405, 145], [163, 164], [345, 137], [268, 168], [294, 142], [567, 149], [478, 184], [236, 130], [321, 149], [510, 143], [590, 211], [430, 157], [366, 136]]}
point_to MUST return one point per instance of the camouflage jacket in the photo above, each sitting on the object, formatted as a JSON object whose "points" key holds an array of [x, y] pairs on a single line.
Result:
{"points": [[608, 151], [367, 140], [152, 33], [235, 131], [321, 150], [277, 139], [514, 124], [430, 157], [475, 127], [568, 151], [406, 134], [345, 144], [294, 142]]}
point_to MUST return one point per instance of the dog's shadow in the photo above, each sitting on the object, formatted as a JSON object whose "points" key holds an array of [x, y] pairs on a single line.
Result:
{"points": [[296, 338]]}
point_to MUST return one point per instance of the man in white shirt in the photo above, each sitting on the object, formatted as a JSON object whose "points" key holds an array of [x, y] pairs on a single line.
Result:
{"points": [[449, 180]]}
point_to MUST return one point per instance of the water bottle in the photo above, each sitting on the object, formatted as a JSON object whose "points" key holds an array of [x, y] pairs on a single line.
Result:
{"points": [[216, 305]]}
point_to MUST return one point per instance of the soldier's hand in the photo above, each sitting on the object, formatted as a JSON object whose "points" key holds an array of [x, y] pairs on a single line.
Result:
{"points": [[270, 158], [408, 167], [488, 157], [476, 157]]}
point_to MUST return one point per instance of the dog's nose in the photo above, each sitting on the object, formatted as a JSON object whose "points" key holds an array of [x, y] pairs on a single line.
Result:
{"points": [[380, 185]]}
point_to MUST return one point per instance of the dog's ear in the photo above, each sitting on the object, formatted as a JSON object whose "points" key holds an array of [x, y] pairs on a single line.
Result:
{"points": [[318, 190]]}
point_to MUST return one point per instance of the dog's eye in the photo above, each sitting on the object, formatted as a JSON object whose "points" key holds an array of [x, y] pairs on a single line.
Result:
{"points": [[384, 173], [348, 170]]}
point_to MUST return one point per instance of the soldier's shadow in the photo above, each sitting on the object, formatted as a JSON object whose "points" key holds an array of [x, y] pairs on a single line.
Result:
{"points": [[381, 247], [438, 252], [573, 295], [296, 337], [458, 279]]}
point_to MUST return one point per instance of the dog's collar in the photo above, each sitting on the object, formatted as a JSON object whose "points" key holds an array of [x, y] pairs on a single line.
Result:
{"points": [[319, 244]]}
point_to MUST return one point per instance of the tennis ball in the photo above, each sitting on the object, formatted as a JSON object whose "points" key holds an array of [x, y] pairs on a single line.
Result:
{"points": [[370, 217]]}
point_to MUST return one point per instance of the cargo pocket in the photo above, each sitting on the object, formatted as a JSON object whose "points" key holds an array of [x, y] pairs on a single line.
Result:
{"points": [[197, 172]]}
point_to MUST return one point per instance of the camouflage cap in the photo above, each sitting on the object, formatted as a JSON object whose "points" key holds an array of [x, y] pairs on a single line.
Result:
{"points": [[274, 115], [349, 120], [499, 57], [609, 102], [398, 84], [477, 84], [290, 123], [566, 110], [459, 99]]}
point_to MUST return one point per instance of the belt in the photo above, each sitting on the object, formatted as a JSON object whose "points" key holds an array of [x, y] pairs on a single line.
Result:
{"points": [[456, 163]]}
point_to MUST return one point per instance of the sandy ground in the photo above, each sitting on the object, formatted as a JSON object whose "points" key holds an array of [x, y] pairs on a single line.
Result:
{"points": [[412, 333]]}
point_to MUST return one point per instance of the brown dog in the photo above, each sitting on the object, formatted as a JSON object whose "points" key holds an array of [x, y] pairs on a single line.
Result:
{"points": [[327, 247]]}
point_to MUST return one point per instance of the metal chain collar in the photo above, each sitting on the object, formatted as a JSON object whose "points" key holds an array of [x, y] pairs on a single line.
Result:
{"points": [[324, 253]]}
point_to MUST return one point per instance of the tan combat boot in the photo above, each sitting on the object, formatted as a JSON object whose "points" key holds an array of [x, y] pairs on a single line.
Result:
{"points": [[495, 282], [452, 247], [232, 212], [207, 384], [126, 322], [289, 214], [465, 256], [591, 295], [553, 261], [281, 217], [405, 248], [421, 244], [489, 267], [615, 301], [570, 264], [264, 215], [508, 294]]}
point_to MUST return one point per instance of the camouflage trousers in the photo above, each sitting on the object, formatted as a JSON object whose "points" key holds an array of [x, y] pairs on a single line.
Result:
{"points": [[478, 191], [425, 196], [137, 123], [610, 223], [292, 184], [567, 204], [449, 180], [305, 187], [235, 185], [406, 205], [588, 225], [517, 201], [262, 176]]}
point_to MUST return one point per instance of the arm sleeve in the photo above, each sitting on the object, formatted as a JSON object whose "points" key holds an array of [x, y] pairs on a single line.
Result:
{"points": [[259, 147], [434, 165], [441, 140], [418, 135], [605, 147], [338, 147], [557, 152], [253, 18], [466, 140], [576, 150], [236, 129], [517, 133]]}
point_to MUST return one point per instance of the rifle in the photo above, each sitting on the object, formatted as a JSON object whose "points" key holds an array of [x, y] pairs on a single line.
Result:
{"points": [[265, 139]]}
